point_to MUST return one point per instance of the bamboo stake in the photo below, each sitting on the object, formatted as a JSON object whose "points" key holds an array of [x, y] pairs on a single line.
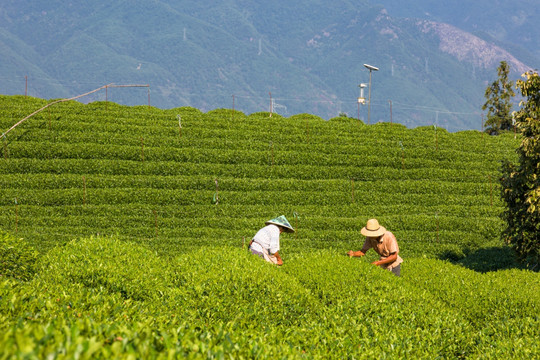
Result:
{"points": [[155, 222], [436, 139], [269, 93], [142, 149], [402, 155], [437, 220], [217, 191], [84, 190], [272, 150], [490, 191], [296, 225], [179, 124], [16, 215]]}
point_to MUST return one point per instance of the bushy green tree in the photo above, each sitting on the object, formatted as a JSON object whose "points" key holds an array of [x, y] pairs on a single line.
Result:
{"points": [[498, 103], [521, 182]]}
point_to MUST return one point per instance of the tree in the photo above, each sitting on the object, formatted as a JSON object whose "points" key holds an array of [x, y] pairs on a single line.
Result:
{"points": [[521, 182], [498, 103]]}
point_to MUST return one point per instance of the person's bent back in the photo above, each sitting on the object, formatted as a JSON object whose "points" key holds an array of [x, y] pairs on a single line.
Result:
{"points": [[265, 243]]}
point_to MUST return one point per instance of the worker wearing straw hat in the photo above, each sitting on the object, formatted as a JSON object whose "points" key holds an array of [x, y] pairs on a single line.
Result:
{"points": [[384, 243], [265, 243]]}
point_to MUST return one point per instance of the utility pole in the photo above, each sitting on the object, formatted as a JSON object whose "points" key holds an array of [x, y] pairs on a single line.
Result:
{"points": [[371, 69]]}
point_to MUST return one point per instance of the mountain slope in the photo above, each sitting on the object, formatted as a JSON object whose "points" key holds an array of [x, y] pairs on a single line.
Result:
{"points": [[301, 57], [512, 23]]}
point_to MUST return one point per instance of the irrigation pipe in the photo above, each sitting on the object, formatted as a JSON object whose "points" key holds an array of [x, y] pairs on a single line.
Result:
{"points": [[64, 100]]}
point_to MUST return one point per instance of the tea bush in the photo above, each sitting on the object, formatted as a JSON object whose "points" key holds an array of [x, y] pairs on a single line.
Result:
{"points": [[97, 297], [17, 258], [136, 260]]}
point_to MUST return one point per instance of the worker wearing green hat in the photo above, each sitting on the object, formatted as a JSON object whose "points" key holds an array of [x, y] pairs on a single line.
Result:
{"points": [[265, 243]]}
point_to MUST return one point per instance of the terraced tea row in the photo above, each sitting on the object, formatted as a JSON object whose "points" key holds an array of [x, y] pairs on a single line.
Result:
{"points": [[77, 169]]}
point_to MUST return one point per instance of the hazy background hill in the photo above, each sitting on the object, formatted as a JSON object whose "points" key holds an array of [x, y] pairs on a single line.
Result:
{"points": [[510, 23], [305, 56]]}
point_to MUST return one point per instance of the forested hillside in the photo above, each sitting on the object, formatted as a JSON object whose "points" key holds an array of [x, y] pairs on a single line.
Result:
{"points": [[293, 57]]}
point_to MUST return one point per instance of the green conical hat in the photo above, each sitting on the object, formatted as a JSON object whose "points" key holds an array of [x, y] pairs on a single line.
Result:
{"points": [[281, 221]]}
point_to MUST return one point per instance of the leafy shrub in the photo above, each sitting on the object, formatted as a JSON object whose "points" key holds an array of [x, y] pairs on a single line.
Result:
{"points": [[108, 264], [264, 114], [104, 298], [305, 116], [17, 258], [346, 120]]}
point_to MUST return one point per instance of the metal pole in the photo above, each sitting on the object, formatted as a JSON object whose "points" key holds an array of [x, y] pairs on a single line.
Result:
{"points": [[46, 106], [370, 68], [369, 100], [269, 93]]}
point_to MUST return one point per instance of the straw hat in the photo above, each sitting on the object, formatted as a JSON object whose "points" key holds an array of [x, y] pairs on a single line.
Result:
{"points": [[281, 221], [373, 229]]}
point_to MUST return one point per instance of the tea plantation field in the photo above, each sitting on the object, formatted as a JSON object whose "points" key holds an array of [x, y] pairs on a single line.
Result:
{"points": [[122, 233]]}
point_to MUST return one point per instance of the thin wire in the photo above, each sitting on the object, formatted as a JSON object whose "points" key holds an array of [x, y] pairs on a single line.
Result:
{"points": [[69, 99]]}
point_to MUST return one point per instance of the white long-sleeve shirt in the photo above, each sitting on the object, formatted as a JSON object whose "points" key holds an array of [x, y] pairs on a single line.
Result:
{"points": [[267, 238]]}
